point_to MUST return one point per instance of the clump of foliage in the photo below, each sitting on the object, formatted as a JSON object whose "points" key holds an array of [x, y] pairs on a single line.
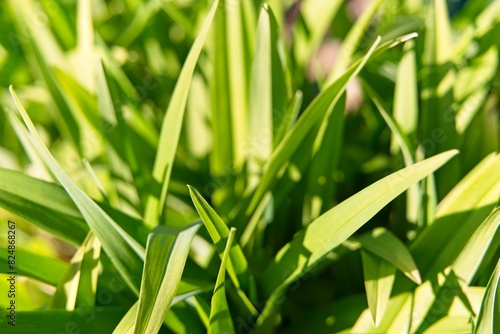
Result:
{"points": [[300, 214]]}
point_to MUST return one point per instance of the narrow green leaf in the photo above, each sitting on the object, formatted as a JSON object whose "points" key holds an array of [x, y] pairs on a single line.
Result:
{"points": [[79, 284], [127, 323], [172, 125], [325, 161], [433, 300], [315, 112], [220, 318], [125, 252], [219, 232], [405, 111], [387, 246], [238, 54], [437, 250], [262, 95], [336, 225], [471, 256], [399, 307], [401, 137], [44, 52], [49, 207], [103, 320], [46, 269], [166, 255], [438, 116], [489, 317], [379, 278], [459, 214]]}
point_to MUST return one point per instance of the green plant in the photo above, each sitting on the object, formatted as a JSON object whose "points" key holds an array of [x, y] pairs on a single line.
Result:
{"points": [[292, 191]]}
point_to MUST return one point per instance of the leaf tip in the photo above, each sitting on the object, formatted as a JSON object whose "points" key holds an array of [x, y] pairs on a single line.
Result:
{"points": [[414, 275]]}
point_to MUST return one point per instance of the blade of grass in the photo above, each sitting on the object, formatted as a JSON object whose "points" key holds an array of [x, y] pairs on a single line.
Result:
{"points": [[387, 246], [104, 319], [312, 244], [309, 118], [238, 54], [488, 320], [471, 256], [458, 216], [305, 123], [405, 111], [185, 291], [79, 284], [166, 255], [438, 117], [379, 278], [46, 269], [49, 206], [325, 233], [220, 318], [172, 124], [237, 266], [126, 253], [402, 139], [262, 95]]}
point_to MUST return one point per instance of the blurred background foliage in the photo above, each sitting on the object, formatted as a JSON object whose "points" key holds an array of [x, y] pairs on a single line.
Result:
{"points": [[48, 48]]}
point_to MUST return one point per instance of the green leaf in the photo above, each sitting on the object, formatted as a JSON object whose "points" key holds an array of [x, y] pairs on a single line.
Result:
{"points": [[172, 125], [402, 138], [387, 246], [434, 300], [43, 204], [405, 110], [79, 284], [309, 118], [327, 150], [238, 52], [99, 320], [339, 223], [237, 266], [267, 93], [471, 256], [315, 112], [459, 214], [125, 252], [451, 324], [185, 291], [438, 116], [40, 267], [438, 249], [166, 255], [44, 52], [399, 307], [379, 278], [220, 318], [489, 317]]}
